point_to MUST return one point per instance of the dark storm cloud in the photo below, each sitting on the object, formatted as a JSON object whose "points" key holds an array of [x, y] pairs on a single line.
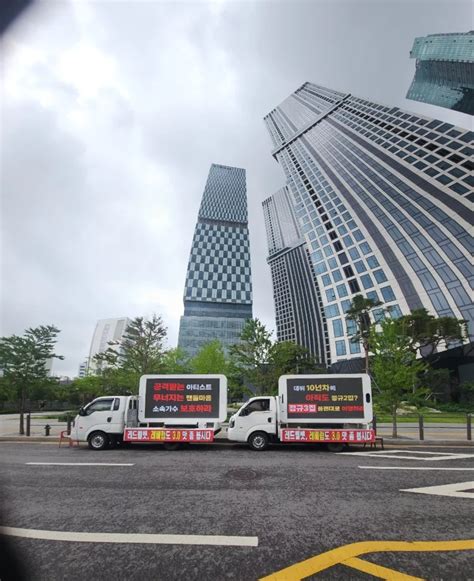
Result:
{"points": [[113, 113]]}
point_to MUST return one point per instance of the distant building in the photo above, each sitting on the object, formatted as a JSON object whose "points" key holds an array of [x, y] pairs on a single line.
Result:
{"points": [[383, 198], [444, 73], [48, 365], [83, 368], [106, 330], [298, 308], [218, 289]]}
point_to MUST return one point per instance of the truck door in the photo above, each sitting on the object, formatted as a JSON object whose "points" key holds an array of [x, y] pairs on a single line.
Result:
{"points": [[100, 415], [257, 414]]}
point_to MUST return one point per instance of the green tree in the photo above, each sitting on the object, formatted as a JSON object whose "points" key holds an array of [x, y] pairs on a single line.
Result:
{"points": [[287, 358], [250, 357], [359, 315], [108, 381], [395, 368], [210, 359], [23, 361], [175, 361], [7, 392], [139, 352], [426, 332]]}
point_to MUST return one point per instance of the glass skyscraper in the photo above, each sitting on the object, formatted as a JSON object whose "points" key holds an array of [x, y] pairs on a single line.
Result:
{"points": [[218, 290], [444, 73], [383, 198], [298, 313]]}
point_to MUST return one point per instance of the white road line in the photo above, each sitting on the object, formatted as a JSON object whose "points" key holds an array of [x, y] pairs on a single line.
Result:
{"points": [[150, 539], [74, 464], [393, 455], [410, 468], [458, 489]]}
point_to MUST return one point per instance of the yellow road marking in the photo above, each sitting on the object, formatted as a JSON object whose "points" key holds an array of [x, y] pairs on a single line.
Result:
{"points": [[336, 556], [378, 570]]}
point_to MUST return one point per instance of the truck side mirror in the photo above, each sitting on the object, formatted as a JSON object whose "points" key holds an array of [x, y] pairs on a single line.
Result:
{"points": [[244, 412], [82, 412]]}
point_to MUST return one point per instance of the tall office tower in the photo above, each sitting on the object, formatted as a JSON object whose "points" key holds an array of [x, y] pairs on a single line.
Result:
{"points": [[444, 73], [106, 330], [298, 306], [218, 290], [382, 197]]}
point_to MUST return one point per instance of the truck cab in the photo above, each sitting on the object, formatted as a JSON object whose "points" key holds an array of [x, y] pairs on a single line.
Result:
{"points": [[255, 422], [101, 422]]}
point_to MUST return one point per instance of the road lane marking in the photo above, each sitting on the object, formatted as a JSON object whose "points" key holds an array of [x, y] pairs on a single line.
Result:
{"points": [[458, 490], [130, 538], [392, 454], [338, 556], [76, 464], [412, 468], [378, 570]]}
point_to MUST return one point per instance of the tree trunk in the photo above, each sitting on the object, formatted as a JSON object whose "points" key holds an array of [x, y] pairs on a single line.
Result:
{"points": [[366, 351], [394, 422]]}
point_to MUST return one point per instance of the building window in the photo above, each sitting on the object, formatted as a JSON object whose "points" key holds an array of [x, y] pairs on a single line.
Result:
{"points": [[367, 281], [379, 315], [351, 327], [326, 279], [380, 276], [354, 286], [320, 268], [338, 328], [341, 290], [372, 262], [354, 253], [373, 295], [332, 311], [343, 257], [365, 248], [348, 271], [387, 293], [346, 305], [331, 295], [395, 311], [340, 348], [354, 347], [360, 267], [337, 276]]}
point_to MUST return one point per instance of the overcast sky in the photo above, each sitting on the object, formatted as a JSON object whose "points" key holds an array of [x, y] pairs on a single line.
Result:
{"points": [[112, 113]]}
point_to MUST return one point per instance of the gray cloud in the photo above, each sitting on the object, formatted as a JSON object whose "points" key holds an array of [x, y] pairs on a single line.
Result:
{"points": [[113, 112]]}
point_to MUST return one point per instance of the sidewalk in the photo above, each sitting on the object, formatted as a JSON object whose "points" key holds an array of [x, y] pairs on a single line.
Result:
{"points": [[9, 426]]}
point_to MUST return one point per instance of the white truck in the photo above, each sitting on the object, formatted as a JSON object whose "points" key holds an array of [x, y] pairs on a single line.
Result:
{"points": [[168, 409], [331, 409]]}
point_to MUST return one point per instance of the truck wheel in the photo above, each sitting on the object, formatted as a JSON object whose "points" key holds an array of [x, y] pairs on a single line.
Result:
{"points": [[335, 447], [98, 441], [258, 441]]}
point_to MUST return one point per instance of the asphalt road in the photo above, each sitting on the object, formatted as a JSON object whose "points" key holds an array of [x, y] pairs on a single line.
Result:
{"points": [[298, 502]]}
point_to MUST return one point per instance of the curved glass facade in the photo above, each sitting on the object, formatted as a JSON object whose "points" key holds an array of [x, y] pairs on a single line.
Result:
{"points": [[383, 198]]}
